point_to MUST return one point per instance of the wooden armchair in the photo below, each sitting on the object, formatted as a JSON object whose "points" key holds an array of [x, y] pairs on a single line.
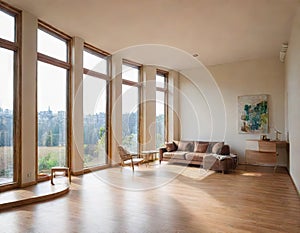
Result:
{"points": [[128, 159]]}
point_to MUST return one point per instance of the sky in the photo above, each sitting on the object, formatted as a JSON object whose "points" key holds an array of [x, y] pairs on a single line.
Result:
{"points": [[6, 62]]}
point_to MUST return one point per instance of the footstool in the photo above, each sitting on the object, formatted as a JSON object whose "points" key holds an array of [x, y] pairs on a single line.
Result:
{"points": [[66, 170], [220, 162]]}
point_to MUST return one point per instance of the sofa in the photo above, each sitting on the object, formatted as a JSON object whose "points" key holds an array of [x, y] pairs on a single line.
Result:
{"points": [[210, 155]]}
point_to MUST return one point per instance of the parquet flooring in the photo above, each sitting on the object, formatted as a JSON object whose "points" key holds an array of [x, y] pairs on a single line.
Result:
{"points": [[164, 198]]}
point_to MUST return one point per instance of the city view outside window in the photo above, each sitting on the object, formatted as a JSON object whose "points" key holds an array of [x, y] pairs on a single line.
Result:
{"points": [[95, 81], [51, 101], [7, 76], [130, 107], [161, 108]]}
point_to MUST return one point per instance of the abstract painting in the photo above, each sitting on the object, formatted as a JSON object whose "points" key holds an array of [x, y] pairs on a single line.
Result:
{"points": [[253, 114]]}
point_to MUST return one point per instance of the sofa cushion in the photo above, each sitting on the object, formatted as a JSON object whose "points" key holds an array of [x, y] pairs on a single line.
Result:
{"points": [[225, 150], [200, 147], [216, 149], [185, 146], [170, 146], [175, 155], [210, 146], [194, 156]]}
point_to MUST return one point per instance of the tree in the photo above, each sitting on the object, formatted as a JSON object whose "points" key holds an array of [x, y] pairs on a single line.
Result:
{"points": [[49, 138]]}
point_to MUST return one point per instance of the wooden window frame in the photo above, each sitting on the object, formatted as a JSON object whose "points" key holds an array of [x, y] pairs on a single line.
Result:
{"points": [[137, 84], [105, 55], [165, 91], [65, 65], [17, 126]]}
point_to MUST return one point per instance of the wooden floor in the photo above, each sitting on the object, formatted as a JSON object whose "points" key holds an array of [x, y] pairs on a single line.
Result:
{"points": [[33, 194], [163, 198]]}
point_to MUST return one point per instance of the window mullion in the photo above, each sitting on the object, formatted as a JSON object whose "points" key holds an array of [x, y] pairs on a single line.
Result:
{"points": [[53, 61], [8, 45]]}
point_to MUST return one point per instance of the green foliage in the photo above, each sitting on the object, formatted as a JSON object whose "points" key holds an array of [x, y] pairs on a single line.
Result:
{"points": [[48, 161], [6, 173], [101, 132], [130, 142]]}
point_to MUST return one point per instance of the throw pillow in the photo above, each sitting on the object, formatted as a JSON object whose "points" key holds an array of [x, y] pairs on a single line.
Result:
{"points": [[184, 146], [200, 147], [216, 149], [170, 146], [225, 150]]}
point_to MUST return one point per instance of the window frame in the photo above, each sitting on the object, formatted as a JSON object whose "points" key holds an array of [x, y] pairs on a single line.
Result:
{"points": [[165, 74], [137, 84], [65, 65], [105, 55], [16, 48]]}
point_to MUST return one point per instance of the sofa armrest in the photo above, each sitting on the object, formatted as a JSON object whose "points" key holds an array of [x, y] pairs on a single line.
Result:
{"points": [[161, 152], [225, 150]]}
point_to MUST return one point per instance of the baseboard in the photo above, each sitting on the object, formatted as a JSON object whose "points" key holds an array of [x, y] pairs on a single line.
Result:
{"points": [[28, 184], [77, 173]]}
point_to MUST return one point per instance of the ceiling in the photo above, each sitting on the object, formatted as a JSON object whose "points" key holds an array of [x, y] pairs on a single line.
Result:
{"points": [[219, 31]]}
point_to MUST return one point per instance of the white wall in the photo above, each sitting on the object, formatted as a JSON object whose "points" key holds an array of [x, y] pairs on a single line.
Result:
{"points": [[28, 101], [263, 76], [201, 106], [77, 153], [293, 95], [148, 101]]}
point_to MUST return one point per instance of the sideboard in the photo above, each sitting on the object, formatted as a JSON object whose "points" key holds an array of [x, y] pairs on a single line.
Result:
{"points": [[260, 152]]}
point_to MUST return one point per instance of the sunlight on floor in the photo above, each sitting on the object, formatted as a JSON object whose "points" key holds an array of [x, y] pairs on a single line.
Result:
{"points": [[251, 174]]}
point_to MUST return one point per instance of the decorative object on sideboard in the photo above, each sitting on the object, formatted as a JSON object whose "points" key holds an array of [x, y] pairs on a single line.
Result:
{"points": [[264, 137], [277, 133]]}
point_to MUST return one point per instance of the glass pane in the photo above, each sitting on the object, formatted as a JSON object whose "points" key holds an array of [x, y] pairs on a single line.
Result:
{"points": [[52, 94], [130, 117], [52, 46], [160, 118], [7, 26], [130, 73], [94, 110], [160, 81], [95, 63], [6, 115]]}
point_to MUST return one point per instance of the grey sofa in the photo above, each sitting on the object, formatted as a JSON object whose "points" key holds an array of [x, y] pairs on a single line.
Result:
{"points": [[210, 155]]}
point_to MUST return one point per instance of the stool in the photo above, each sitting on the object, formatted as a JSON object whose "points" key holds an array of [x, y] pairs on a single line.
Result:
{"points": [[66, 170]]}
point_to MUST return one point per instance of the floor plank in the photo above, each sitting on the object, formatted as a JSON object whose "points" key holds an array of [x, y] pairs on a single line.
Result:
{"points": [[166, 198]]}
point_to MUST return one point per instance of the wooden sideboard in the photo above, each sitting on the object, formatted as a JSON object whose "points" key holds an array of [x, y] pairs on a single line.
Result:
{"points": [[259, 152]]}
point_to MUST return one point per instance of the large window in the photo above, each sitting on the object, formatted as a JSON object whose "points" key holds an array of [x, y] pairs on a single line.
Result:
{"points": [[161, 108], [95, 106], [130, 107], [52, 98], [8, 95]]}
